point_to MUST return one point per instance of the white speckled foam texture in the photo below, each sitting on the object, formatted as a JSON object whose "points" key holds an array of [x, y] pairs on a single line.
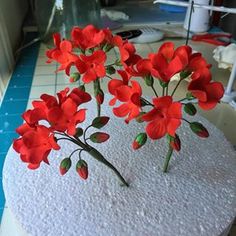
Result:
{"points": [[197, 197]]}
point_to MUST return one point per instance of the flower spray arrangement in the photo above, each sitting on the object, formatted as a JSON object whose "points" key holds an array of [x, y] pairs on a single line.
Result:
{"points": [[86, 51]]}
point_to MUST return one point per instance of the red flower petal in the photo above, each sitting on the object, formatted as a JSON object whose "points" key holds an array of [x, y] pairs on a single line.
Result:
{"points": [[112, 101], [167, 50], [89, 76], [122, 110], [100, 71], [66, 46], [152, 115], [174, 110], [156, 129], [135, 99], [123, 93], [175, 66], [125, 76], [69, 107], [162, 102], [57, 39], [33, 166], [54, 114], [113, 85], [172, 126], [80, 116]]}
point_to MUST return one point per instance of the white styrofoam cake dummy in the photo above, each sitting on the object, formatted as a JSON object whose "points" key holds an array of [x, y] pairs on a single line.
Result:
{"points": [[196, 197]]}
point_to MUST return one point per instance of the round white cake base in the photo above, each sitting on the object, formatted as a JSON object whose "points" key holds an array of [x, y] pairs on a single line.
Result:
{"points": [[196, 197]]}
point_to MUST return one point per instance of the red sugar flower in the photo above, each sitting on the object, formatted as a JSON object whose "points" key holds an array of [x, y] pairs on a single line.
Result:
{"points": [[87, 37], [164, 119], [66, 117], [208, 93], [114, 84], [166, 62], [86, 51], [197, 62], [57, 41], [35, 145], [62, 115], [128, 54], [79, 96], [112, 40], [142, 68], [130, 97], [92, 66], [63, 55]]}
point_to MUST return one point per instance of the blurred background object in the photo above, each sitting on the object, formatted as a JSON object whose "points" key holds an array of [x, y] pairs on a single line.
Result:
{"points": [[61, 15], [108, 3], [171, 8], [228, 21], [200, 18]]}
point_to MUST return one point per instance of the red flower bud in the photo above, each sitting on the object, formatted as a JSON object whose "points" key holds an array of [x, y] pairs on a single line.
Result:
{"points": [[65, 165], [100, 96], [82, 169], [199, 129], [175, 142], [139, 141], [99, 137]]}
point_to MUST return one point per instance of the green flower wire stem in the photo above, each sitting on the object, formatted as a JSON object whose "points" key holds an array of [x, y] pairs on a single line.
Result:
{"points": [[95, 154], [167, 159], [96, 87], [98, 156]]}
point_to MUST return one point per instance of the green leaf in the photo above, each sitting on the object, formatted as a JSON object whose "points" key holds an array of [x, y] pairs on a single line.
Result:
{"points": [[100, 121], [79, 132], [110, 70], [190, 109]]}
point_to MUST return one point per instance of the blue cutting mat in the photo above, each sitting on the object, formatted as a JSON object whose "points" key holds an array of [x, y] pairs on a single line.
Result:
{"points": [[15, 101]]}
